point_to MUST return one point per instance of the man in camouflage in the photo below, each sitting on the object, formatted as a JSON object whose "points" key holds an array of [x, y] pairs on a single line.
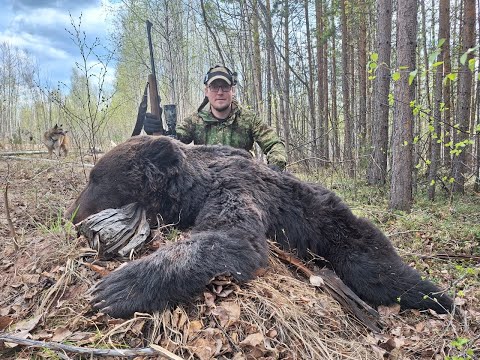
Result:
{"points": [[225, 122]]}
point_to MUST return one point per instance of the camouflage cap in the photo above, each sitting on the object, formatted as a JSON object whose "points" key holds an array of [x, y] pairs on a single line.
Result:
{"points": [[220, 72]]}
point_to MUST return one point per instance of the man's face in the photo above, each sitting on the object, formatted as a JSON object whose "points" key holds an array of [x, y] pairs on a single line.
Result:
{"points": [[219, 94]]}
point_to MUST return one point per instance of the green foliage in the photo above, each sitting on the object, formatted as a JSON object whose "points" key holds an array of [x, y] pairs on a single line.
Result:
{"points": [[411, 76], [441, 42], [459, 344], [471, 64], [391, 99], [372, 66], [463, 58], [449, 77], [433, 56]]}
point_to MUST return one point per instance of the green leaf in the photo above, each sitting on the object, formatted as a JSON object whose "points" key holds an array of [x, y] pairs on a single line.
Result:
{"points": [[405, 143], [371, 77], [438, 63], [396, 76], [463, 58], [374, 56], [459, 342], [372, 65], [403, 67], [471, 64], [441, 42], [451, 77], [432, 182], [411, 77], [433, 56], [391, 99]]}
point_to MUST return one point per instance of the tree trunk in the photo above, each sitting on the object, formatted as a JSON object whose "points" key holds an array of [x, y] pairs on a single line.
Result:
{"points": [[377, 167], [437, 111], [257, 63], [269, 47], [362, 75], [320, 83], [325, 111], [334, 119], [286, 118], [401, 187], [459, 168], [348, 138], [310, 90], [476, 186], [435, 134], [444, 17]]}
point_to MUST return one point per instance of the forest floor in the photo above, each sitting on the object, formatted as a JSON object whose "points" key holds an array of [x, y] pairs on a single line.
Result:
{"points": [[45, 278]]}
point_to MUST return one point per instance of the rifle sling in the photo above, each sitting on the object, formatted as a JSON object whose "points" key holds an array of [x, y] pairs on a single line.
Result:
{"points": [[142, 110]]}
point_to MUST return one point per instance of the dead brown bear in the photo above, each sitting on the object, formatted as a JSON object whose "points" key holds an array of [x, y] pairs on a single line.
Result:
{"points": [[233, 203]]}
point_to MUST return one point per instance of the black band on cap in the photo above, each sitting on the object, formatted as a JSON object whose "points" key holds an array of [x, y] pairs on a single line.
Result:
{"points": [[218, 73]]}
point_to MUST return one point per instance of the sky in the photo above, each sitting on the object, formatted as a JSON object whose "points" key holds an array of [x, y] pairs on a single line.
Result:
{"points": [[38, 27]]}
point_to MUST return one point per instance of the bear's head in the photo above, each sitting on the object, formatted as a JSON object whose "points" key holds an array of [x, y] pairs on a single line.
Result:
{"points": [[134, 171]]}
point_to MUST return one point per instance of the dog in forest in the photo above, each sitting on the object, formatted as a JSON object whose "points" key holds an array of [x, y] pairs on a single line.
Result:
{"points": [[56, 139]]}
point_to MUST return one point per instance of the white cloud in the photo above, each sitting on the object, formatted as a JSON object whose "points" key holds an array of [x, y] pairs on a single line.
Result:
{"points": [[34, 44], [38, 27]]}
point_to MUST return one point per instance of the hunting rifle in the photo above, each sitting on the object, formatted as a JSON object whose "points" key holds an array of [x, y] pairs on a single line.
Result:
{"points": [[154, 97]]}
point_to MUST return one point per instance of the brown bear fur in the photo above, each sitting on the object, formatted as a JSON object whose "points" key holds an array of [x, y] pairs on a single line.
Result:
{"points": [[232, 204]]}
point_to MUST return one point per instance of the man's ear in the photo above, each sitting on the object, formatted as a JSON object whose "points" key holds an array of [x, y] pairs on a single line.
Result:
{"points": [[163, 152]]}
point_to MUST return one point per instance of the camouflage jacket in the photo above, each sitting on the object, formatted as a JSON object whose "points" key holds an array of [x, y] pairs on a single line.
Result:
{"points": [[241, 130]]}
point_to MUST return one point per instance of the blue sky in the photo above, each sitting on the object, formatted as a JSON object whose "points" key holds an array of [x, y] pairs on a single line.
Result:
{"points": [[38, 27]]}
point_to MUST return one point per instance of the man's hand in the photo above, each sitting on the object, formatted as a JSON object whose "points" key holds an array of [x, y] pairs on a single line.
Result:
{"points": [[152, 124]]}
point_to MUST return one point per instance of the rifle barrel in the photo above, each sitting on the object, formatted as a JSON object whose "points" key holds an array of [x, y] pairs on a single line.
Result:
{"points": [[150, 47]]}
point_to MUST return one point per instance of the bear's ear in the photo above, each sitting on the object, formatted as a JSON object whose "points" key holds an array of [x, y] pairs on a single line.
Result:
{"points": [[163, 152]]}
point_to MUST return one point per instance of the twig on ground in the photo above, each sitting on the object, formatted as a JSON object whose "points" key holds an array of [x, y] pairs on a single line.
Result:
{"points": [[337, 289], [13, 233], [153, 350]]}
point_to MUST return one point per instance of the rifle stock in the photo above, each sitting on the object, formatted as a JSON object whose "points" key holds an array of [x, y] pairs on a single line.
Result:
{"points": [[153, 95]]}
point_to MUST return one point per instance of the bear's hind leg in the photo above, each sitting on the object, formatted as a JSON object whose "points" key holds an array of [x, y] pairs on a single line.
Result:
{"points": [[369, 264]]}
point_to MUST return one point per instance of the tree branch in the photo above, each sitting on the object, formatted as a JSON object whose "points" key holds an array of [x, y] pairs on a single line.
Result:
{"points": [[154, 350]]}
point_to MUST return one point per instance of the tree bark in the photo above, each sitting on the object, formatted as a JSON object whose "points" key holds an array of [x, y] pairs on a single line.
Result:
{"points": [[257, 63], [459, 168], [286, 87], [362, 75], [348, 134], [401, 186], [377, 167], [334, 119], [436, 122], [310, 90], [320, 83], [447, 91]]}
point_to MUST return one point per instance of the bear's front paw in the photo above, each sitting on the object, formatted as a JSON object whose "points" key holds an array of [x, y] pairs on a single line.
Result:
{"points": [[127, 290]]}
